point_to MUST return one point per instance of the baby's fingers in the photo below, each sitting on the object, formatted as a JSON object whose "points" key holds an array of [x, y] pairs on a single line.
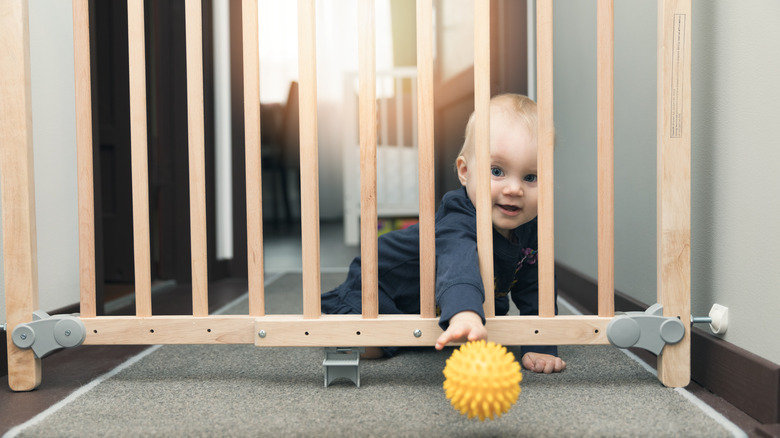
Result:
{"points": [[445, 338], [442, 341], [456, 333]]}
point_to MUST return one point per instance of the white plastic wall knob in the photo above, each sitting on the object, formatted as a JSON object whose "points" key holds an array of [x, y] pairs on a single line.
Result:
{"points": [[720, 319]]}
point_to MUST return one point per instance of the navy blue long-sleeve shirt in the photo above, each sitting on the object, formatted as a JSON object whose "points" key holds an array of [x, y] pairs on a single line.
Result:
{"points": [[458, 281]]}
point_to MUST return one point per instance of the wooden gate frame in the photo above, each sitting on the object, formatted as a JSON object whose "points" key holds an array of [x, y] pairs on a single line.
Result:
{"points": [[311, 328]]}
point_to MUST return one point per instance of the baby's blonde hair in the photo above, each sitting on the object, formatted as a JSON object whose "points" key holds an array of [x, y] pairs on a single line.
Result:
{"points": [[516, 106]]}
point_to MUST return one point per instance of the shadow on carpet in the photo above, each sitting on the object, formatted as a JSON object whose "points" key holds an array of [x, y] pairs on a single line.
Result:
{"points": [[241, 390]]}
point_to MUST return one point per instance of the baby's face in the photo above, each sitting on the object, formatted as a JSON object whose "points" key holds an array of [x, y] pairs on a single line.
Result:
{"points": [[513, 185]]}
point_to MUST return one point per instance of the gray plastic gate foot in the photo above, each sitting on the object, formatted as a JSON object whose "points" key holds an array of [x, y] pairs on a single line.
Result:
{"points": [[342, 362]]}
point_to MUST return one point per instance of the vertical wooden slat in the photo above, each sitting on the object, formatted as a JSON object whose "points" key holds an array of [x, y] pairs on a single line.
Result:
{"points": [[367, 108], [605, 113], [310, 200], [254, 192], [546, 139], [426, 158], [138, 157], [197, 160], [20, 255], [482, 136], [674, 181], [196, 155], [86, 196]]}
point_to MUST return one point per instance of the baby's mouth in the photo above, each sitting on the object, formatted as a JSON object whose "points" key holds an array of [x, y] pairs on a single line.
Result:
{"points": [[509, 209]]}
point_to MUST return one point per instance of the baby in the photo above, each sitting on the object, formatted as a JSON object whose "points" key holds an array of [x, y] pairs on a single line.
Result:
{"points": [[459, 290]]}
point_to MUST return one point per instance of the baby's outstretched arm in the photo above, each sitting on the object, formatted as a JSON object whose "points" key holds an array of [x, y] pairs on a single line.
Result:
{"points": [[467, 326], [543, 363], [464, 326]]}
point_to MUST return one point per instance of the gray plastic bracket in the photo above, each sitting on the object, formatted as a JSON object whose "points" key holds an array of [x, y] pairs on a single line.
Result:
{"points": [[342, 362], [46, 333], [649, 330]]}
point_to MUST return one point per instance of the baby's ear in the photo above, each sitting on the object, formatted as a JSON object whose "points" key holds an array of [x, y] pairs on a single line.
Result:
{"points": [[462, 167]]}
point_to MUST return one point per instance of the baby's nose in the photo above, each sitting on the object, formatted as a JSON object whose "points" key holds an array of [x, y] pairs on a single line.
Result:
{"points": [[513, 188]]}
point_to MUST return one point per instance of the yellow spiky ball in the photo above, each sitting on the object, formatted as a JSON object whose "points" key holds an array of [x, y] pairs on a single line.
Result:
{"points": [[482, 379]]}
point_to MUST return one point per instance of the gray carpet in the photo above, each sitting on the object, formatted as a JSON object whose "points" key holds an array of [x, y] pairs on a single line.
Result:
{"points": [[239, 390]]}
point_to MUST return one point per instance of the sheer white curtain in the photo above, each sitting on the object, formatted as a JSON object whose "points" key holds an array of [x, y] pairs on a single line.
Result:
{"points": [[337, 55]]}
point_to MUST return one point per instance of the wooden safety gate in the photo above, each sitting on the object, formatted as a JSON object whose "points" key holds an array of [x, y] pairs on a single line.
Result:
{"points": [[311, 328]]}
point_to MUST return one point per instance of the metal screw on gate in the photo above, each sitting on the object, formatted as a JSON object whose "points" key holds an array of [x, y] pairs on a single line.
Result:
{"points": [[23, 336], [261, 333], [67, 332], [417, 333]]}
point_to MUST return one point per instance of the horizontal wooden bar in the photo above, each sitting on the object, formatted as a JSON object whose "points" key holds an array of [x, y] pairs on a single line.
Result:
{"points": [[129, 330], [333, 330], [399, 330]]}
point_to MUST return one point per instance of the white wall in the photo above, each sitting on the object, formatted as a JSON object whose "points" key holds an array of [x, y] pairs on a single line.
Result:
{"points": [[54, 140], [736, 153]]}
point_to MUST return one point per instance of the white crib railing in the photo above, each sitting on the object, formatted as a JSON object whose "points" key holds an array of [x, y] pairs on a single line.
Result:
{"points": [[397, 152]]}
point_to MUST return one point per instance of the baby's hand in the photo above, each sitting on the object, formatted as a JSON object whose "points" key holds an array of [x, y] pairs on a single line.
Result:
{"points": [[543, 363], [464, 326]]}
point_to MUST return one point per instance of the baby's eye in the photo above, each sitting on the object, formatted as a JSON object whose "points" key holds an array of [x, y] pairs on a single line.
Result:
{"points": [[530, 178], [495, 171]]}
